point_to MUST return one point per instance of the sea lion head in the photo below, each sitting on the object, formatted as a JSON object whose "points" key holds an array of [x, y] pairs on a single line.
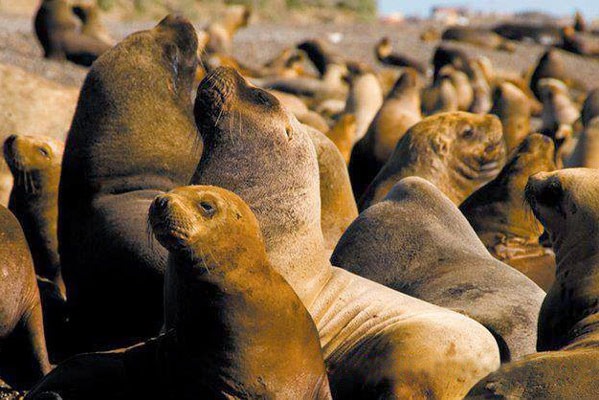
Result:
{"points": [[383, 47], [512, 106], [590, 108], [535, 153], [32, 155], [201, 221], [550, 65]]}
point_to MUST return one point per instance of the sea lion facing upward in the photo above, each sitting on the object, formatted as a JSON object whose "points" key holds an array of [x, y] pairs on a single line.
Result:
{"points": [[377, 343], [35, 164], [445, 55], [512, 106], [23, 355], [458, 152], [133, 137], [235, 328], [416, 241], [550, 65], [400, 111], [384, 54], [320, 54], [501, 219], [364, 100], [590, 107], [89, 14], [565, 201], [57, 29], [441, 97], [342, 134], [586, 152]]}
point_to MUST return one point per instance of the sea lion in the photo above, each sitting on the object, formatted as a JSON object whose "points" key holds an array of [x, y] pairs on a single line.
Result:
{"points": [[235, 328], [342, 134], [57, 30], [23, 354], [481, 90], [320, 54], [89, 14], [416, 241], [458, 152], [512, 107], [586, 152], [445, 55], [580, 24], [579, 43], [126, 145], [566, 368], [301, 111], [550, 65], [384, 53], [221, 32], [441, 97], [500, 218], [364, 100], [400, 111], [377, 342], [545, 34], [590, 107], [461, 83], [478, 37]]}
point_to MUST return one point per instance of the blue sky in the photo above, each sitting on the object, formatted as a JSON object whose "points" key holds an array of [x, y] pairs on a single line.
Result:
{"points": [[422, 7]]}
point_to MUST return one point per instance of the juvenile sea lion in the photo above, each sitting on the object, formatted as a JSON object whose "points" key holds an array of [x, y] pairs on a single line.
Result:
{"points": [[342, 134], [221, 32], [512, 107], [35, 164], [586, 152], [23, 355], [301, 111], [565, 201], [57, 29], [364, 100], [416, 241], [479, 37], [89, 14], [384, 53], [458, 152], [400, 111], [133, 137], [236, 329], [376, 342], [502, 221]]}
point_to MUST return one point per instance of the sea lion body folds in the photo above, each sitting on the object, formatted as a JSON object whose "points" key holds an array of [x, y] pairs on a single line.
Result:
{"points": [[127, 144], [272, 165]]}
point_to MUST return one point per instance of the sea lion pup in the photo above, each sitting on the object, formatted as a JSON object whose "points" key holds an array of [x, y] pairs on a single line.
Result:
{"points": [[89, 14], [342, 134], [23, 355], [377, 343], [57, 30], [399, 113], [481, 90], [512, 107], [590, 107], [478, 37], [416, 241], [142, 143], [221, 32], [235, 329], [565, 202], [364, 100], [384, 53], [458, 152], [502, 221], [586, 152]]}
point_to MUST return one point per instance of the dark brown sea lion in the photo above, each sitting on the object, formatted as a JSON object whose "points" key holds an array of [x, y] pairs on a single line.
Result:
{"points": [[481, 89], [565, 201], [579, 43], [236, 329], [544, 34], [221, 32], [479, 37], [57, 29], [35, 164], [416, 241], [320, 54], [502, 221], [133, 137], [89, 14], [384, 53], [458, 152], [23, 355], [445, 55], [550, 65], [512, 107], [377, 343], [400, 111]]}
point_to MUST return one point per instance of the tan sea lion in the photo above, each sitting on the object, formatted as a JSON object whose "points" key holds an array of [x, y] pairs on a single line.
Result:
{"points": [[512, 107], [502, 221], [235, 328], [384, 53], [550, 65], [566, 367], [400, 111], [364, 100], [221, 32], [376, 342], [479, 37], [590, 107], [416, 241], [23, 355], [142, 143], [441, 97], [458, 152], [89, 14], [445, 55], [586, 152], [57, 30], [481, 90], [320, 54], [342, 134]]}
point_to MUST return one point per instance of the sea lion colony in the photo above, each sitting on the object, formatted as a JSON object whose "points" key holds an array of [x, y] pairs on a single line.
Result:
{"points": [[213, 248]]}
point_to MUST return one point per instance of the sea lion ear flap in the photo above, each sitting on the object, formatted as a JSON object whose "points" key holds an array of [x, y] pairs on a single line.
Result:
{"points": [[172, 55], [440, 145]]}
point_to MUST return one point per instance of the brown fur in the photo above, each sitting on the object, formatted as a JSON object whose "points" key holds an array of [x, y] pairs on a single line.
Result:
{"points": [[478, 37], [513, 109]]}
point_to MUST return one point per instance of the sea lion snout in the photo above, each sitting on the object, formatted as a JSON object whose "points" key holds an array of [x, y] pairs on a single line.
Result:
{"points": [[23, 152], [173, 220]]}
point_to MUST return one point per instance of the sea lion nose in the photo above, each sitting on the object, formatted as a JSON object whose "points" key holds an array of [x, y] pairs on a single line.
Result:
{"points": [[160, 204], [8, 143]]}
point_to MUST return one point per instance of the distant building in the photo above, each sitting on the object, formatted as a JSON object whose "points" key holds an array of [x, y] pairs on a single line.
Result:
{"points": [[451, 15]]}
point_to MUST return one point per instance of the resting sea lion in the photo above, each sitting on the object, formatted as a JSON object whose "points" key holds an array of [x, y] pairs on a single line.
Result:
{"points": [[235, 328], [545, 34], [221, 32], [512, 107], [384, 53], [460, 81], [301, 111], [377, 342], [416, 241], [400, 111], [458, 152], [342, 134], [479, 37], [89, 14], [23, 355], [501, 219], [133, 137], [57, 30], [565, 201]]}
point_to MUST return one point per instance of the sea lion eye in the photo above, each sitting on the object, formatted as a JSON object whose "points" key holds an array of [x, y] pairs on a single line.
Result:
{"points": [[207, 209], [468, 132], [44, 152]]}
